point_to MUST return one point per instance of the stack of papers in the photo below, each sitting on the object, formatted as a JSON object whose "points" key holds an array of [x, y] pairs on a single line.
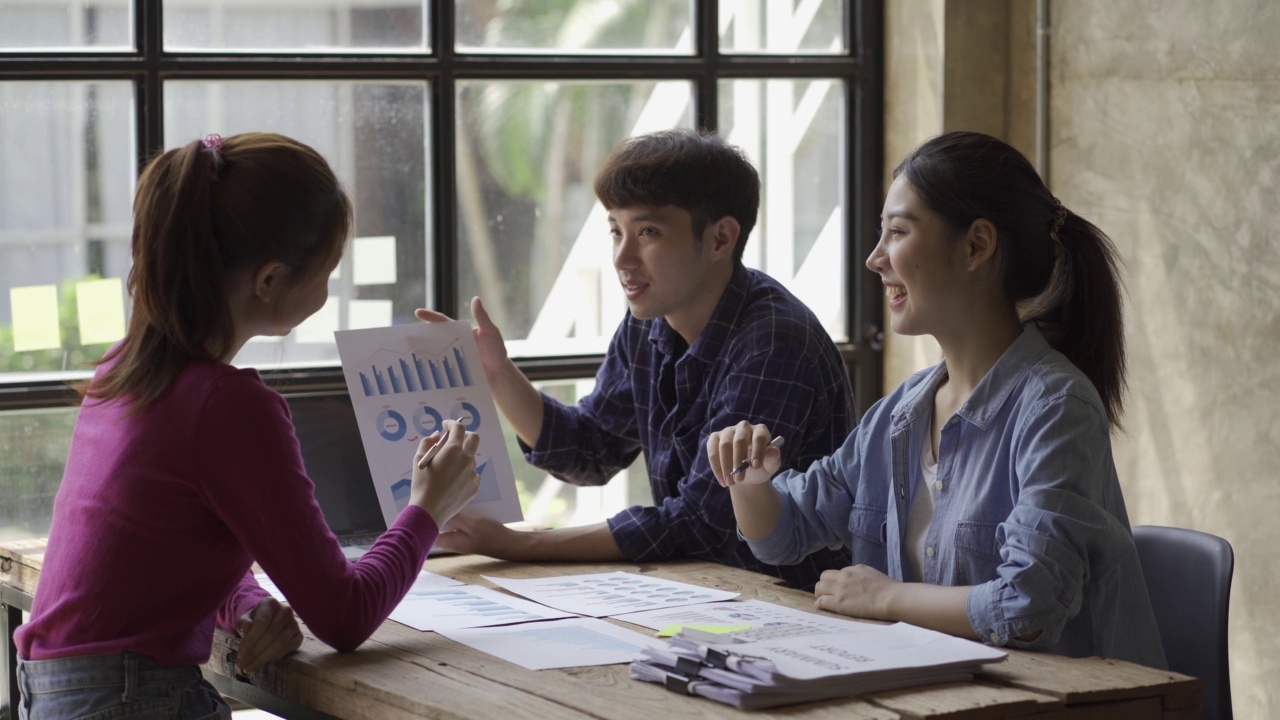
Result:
{"points": [[805, 668]]}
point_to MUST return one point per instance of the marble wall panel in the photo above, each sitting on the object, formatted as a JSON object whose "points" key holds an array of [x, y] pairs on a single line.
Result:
{"points": [[1165, 127]]}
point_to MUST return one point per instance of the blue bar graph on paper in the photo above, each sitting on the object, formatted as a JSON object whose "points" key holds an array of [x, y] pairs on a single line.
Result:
{"points": [[415, 375], [422, 373], [448, 371], [435, 374], [408, 376], [462, 367]]}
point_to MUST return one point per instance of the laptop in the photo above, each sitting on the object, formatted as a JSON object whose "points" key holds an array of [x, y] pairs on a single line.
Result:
{"points": [[334, 457]]}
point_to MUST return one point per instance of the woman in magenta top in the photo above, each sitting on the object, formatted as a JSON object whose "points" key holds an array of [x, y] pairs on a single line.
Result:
{"points": [[184, 470]]}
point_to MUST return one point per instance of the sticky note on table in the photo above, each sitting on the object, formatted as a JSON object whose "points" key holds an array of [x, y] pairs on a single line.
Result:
{"points": [[671, 630], [100, 304], [35, 318]]}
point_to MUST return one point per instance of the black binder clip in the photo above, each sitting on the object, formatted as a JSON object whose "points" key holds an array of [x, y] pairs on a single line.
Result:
{"points": [[716, 658], [678, 683], [688, 666]]}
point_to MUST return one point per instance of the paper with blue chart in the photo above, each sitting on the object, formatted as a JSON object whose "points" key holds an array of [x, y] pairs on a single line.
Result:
{"points": [[575, 642], [608, 594], [405, 381], [467, 606]]}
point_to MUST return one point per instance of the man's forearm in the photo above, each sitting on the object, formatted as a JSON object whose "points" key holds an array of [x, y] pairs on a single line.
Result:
{"points": [[583, 544], [519, 401]]}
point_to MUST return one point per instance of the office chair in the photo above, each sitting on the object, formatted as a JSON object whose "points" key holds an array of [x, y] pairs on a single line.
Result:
{"points": [[1188, 576]]}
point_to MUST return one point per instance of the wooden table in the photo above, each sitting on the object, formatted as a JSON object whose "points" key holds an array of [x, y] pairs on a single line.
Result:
{"points": [[403, 673]]}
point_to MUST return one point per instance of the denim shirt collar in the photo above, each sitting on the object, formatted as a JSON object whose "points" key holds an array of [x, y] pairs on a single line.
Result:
{"points": [[709, 343], [992, 392]]}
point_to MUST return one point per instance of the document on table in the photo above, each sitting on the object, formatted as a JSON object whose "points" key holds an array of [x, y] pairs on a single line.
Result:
{"points": [[606, 594], [466, 606], [766, 620], [424, 581], [576, 642], [782, 671]]}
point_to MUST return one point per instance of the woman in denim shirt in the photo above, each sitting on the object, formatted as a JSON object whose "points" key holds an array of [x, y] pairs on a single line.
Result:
{"points": [[980, 498]]}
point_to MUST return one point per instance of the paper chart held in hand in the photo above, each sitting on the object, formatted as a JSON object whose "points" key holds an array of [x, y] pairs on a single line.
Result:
{"points": [[466, 606], [606, 594], [576, 642], [405, 381]]}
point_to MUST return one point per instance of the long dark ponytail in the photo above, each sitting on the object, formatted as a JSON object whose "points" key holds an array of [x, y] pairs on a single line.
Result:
{"points": [[1061, 270], [203, 212]]}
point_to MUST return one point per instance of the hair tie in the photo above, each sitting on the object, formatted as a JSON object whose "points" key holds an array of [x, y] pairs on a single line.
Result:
{"points": [[1059, 218], [212, 141]]}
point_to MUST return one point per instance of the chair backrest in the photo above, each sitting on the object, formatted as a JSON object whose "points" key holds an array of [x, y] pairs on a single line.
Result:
{"points": [[1188, 576]]}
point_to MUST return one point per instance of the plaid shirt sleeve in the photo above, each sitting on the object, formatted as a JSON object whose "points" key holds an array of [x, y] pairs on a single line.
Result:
{"points": [[589, 443], [779, 387]]}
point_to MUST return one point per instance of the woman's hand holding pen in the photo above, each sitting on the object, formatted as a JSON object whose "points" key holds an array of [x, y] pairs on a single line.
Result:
{"points": [[743, 455], [448, 481], [743, 459]]}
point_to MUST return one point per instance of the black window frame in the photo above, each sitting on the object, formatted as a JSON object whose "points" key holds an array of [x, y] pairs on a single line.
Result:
{"points": [[860, 69]]}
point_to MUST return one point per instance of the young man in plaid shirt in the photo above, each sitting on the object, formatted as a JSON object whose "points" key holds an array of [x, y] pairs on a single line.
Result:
{"points": [[706, 343]]}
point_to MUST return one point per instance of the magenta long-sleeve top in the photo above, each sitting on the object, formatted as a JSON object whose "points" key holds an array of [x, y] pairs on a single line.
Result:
{"points": [[161, 514]]}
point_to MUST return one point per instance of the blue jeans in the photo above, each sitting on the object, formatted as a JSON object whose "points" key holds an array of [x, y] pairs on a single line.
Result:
{"points": [[124, 687]]}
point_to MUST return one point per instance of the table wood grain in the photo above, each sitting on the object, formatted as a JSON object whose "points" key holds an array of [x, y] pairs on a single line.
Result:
{"points": [[403, 673]]}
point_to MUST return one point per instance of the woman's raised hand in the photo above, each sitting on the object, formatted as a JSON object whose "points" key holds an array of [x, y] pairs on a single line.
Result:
{"points": [[729, 448], [449, 481]]}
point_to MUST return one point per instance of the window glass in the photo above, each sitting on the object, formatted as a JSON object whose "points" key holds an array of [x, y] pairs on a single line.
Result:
{"points": [[551, 503], [66, 25], [567, 26], [533, 240], [374, 136], [793, 130], [296, 26], [783, 27], [33, 451], [66, 184]]}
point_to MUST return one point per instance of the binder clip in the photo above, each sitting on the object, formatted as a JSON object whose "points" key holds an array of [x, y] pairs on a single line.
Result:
{"points": [[688, 666], [678, 684], [716, 658]]}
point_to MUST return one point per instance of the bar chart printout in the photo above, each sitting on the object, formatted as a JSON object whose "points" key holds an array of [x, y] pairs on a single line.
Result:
{"points": [[405, 382], [766, 620], [392, 375], [608, 594], [466, 606], [576, 642]]}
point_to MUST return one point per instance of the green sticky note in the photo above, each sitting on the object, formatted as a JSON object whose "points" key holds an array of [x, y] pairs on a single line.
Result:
{"points": [[35, 318], [670, 630], [101, 307]]}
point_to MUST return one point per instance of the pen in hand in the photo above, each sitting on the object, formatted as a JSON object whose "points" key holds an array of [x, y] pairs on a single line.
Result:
{"points": [[742, 466], [426, 459]]}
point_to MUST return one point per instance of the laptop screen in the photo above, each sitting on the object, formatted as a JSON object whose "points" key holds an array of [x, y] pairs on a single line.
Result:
{"points": [[335, 461]]}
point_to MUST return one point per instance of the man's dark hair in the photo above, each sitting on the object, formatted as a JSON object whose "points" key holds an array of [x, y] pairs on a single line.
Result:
{"points": [[695, 171]]}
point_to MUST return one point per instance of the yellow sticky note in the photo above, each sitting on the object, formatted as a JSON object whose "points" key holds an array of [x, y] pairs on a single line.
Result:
{"points": [[101, 307], [35, 317], [670, 630]]}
